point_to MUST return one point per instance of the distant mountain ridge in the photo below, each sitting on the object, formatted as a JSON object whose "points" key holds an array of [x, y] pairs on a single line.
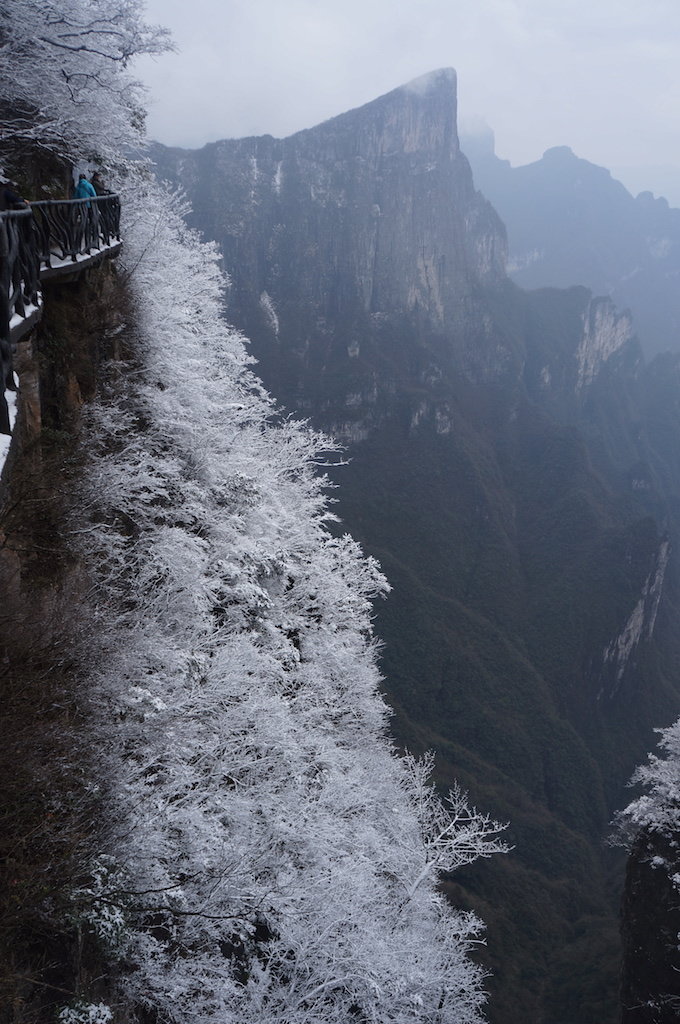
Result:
{"points": [[514, 467], [570, 222]]}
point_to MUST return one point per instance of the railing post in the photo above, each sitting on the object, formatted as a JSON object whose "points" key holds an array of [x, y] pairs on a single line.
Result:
{"points": [[71, 227], [5, 317], [18, 281]]}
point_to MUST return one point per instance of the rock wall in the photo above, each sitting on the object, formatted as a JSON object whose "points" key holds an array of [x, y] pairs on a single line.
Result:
{"points": [[50, 812], [371, 213], [650, 989]]}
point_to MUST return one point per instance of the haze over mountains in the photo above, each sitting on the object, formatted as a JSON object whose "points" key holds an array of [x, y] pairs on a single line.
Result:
{"points": [[514, 467], [569, 222]]}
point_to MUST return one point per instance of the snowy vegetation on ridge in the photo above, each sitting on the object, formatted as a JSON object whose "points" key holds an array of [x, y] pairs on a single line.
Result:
{"points": [[63, 81], [651, 911], [274, 860], [269, 857], [657, 810]]}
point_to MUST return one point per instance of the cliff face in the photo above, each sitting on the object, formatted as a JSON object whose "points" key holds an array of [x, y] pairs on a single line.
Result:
{"points": [[513, 469], [372, 213], [361, 190], [50, 809]]}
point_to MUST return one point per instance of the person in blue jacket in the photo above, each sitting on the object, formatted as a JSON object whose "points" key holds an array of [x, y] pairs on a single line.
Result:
{"points": [[84, 189]]}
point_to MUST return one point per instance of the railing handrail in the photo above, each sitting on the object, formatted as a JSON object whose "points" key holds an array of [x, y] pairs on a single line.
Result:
{"points": [[19, 288], [69, 228], [31, 240], [23, 212], [67, 202]]}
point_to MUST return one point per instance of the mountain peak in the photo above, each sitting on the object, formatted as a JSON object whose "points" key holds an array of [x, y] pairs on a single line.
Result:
{"points": [[441, 79], [561, 153], [418, 116]]}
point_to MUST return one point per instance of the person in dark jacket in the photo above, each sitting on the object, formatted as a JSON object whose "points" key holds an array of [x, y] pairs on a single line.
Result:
{"points": [[10, 198], [98, 184]]}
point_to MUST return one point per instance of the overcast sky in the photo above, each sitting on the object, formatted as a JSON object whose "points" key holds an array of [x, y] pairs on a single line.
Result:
{"points": [[601, 76]]}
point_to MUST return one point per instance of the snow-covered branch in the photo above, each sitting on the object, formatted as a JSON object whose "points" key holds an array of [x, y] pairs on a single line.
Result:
{"points": [[454, 834], [658, 809], [63, 80]]}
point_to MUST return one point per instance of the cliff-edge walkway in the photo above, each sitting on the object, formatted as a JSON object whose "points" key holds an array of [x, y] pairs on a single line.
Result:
{"points": [[50, 239]]}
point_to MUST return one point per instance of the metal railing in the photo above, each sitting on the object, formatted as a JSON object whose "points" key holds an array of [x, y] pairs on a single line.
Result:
{"points": [[69, 228], [19, 288], [50, 237]]}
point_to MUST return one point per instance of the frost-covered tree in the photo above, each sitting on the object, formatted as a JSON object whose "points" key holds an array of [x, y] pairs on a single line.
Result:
{"points": [[272, 859], [650, 828], [658, 809], [64, 82]]}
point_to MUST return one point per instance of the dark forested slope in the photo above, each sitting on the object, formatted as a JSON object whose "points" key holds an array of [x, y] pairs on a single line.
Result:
{"points": [[513, 466]]}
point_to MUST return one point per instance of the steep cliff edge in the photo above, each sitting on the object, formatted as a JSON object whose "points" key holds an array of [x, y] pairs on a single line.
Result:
{"points": [[512, 469], [51, 813], [650, 993]]}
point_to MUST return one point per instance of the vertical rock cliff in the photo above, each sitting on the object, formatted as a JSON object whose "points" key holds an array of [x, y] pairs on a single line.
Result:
{"points": [[51, 815], [372, 214]]}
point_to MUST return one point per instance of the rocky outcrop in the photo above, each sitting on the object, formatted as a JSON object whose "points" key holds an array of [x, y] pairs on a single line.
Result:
{"points": [[650, 989], [605, 332], [639, 626]]}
